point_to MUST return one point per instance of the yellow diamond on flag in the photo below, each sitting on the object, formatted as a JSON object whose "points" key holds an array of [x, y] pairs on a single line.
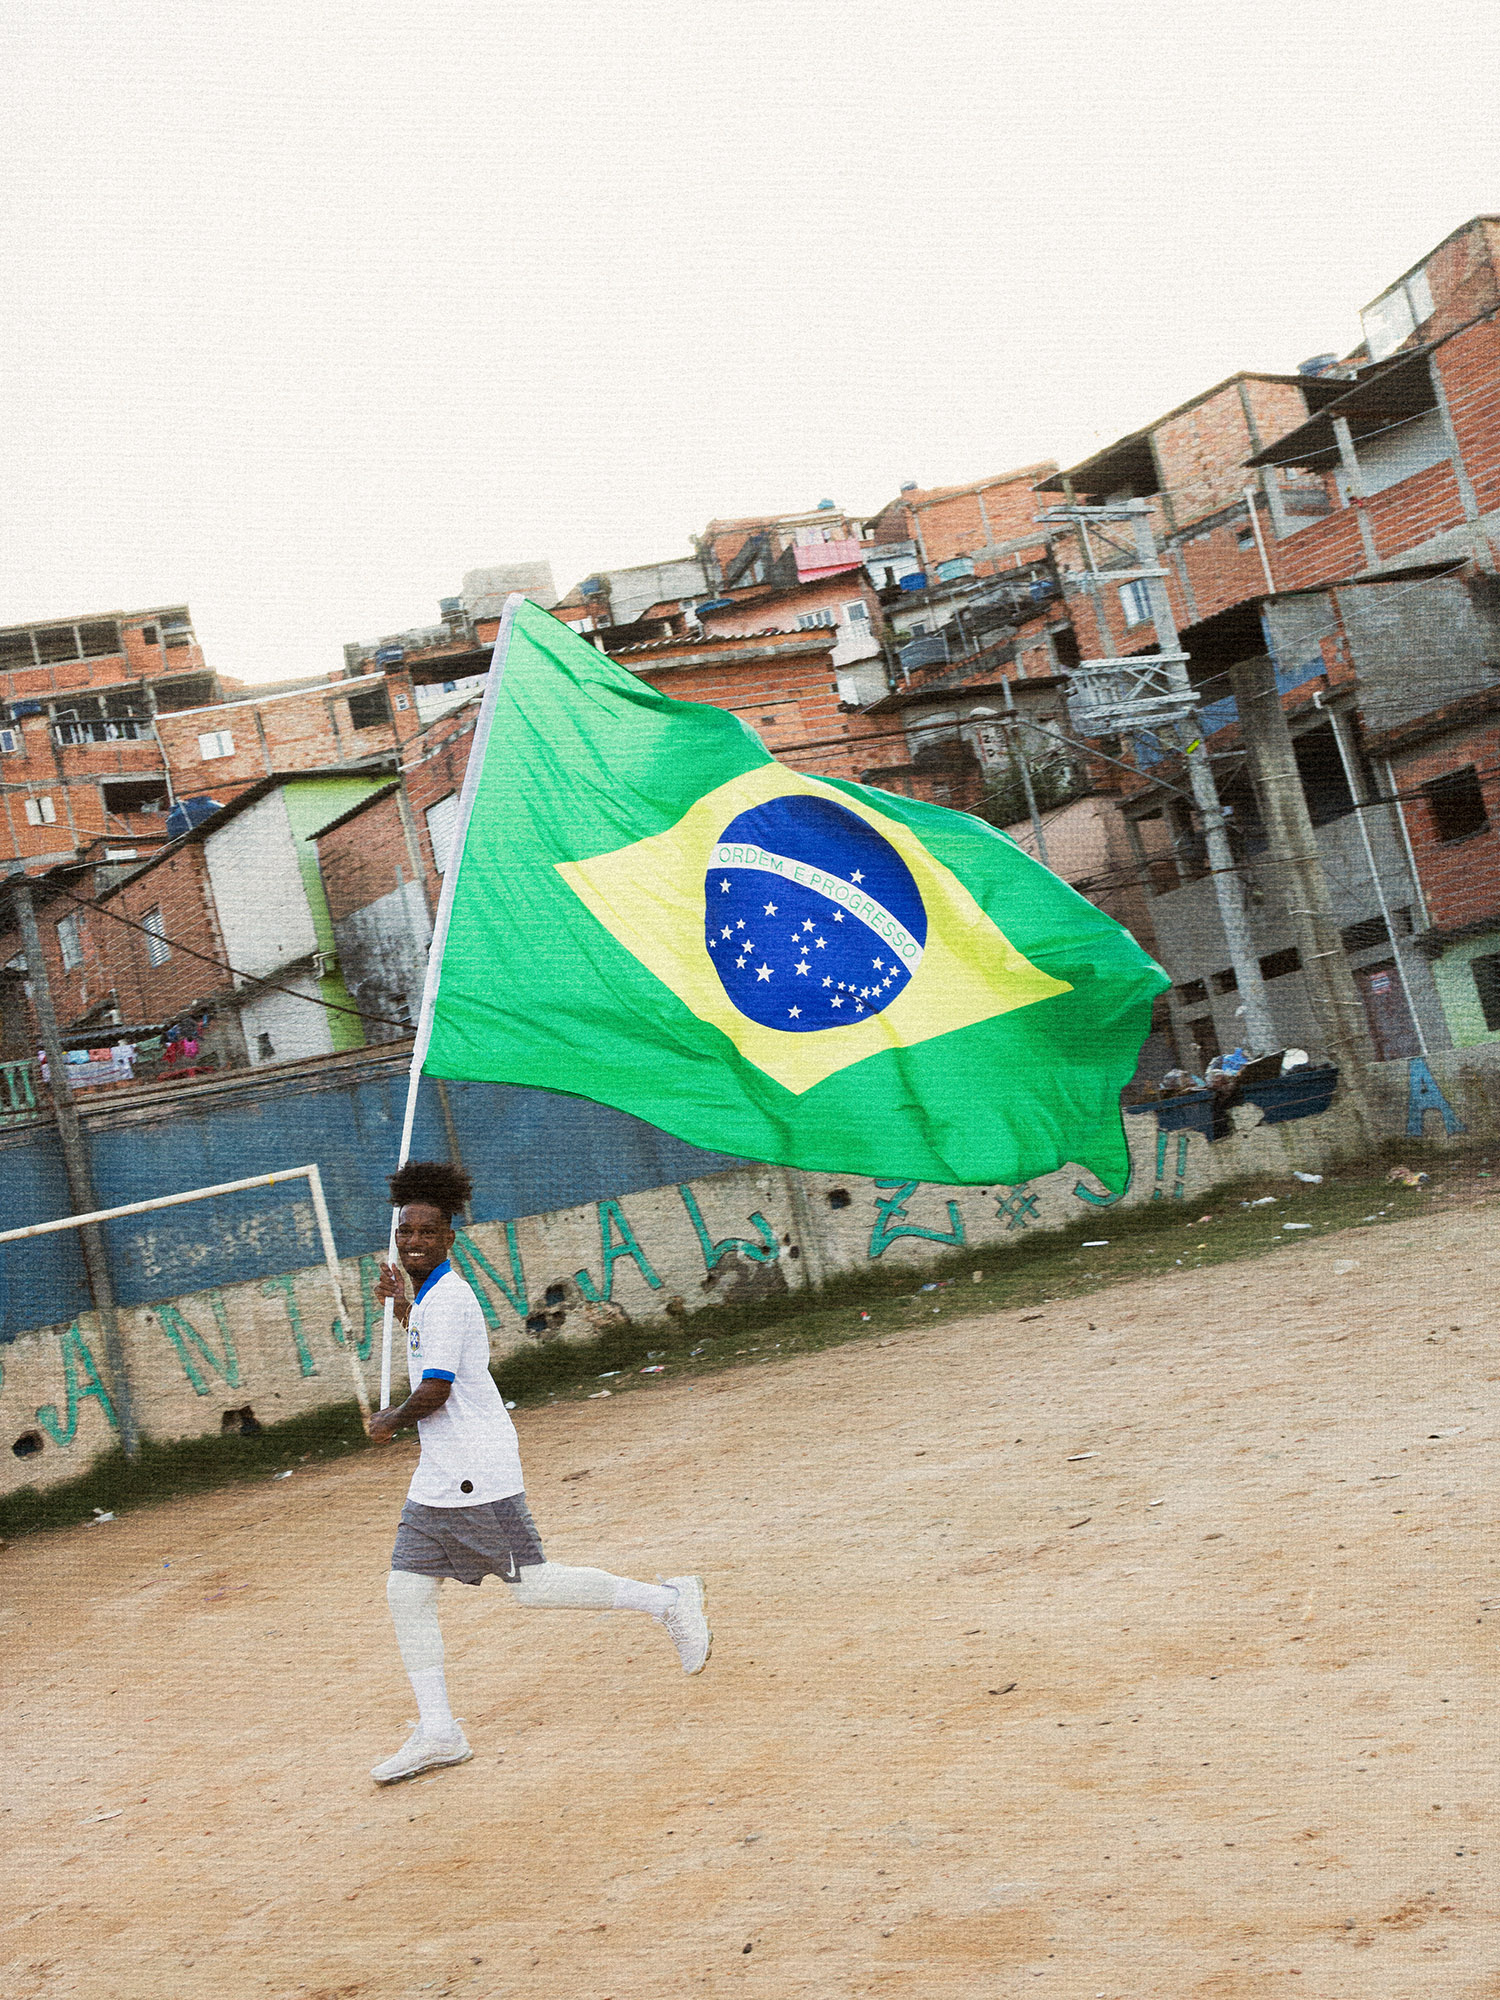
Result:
{"points": [[810, 927]]}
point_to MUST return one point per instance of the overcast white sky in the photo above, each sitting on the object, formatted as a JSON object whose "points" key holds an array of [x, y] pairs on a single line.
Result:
{"points": [[309, 307]]}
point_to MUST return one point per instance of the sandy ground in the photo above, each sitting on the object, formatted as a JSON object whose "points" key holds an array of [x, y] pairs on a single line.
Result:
{"points": [[1143, 1647]]}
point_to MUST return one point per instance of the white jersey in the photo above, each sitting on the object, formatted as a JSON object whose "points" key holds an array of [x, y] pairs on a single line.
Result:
{"points": [[470, 1453]]}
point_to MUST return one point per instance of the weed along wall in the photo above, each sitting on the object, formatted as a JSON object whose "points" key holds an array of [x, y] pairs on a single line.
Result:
{"points": [[227, 1306]]}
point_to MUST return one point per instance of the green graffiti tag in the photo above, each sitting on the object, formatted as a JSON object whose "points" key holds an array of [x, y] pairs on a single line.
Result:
{"points": [[612, 1216], [76, 1361], [764, 1252], [287, 1287], [181, 1332], [372, 1311], [1081, 1193], [1017, 1209], [467, 1255], [890, 1220], [1158, 1192]]}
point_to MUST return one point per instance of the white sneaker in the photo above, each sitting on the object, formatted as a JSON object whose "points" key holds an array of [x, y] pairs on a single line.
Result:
{"points": [[422, 1752], [686, 1625]]}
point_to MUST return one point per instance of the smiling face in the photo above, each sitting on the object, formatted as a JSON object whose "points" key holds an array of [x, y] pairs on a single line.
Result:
{"points": [[423, 1239]]}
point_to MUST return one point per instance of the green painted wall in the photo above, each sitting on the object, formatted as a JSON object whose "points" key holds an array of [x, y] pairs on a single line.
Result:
{"points": [[1458, 993], [311, 803]]}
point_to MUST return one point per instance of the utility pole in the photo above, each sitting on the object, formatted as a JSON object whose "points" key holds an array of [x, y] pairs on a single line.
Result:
{"points": [[1018, 762], [76, 1162], [1152, 690]]}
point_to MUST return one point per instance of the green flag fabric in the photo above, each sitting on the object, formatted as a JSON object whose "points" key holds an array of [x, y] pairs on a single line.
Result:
{"points": [[643, 907]]}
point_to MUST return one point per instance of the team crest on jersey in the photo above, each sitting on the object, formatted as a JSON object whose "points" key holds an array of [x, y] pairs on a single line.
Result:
{"points": [[414, 1341]]}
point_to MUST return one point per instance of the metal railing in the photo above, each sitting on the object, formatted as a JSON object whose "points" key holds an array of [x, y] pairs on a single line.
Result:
{"points": [[18, 1088]]}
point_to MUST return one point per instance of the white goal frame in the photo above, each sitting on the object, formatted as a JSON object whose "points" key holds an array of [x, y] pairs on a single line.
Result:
{"points": [[314, 1180]]}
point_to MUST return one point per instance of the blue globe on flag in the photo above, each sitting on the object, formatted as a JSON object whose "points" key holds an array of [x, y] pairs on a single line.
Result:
{"points": [[811, 918]]}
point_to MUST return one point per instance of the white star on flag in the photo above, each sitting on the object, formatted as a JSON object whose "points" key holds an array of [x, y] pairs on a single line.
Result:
{"points": [[763, 972], [795, 1013], [856, 876], [802, 965], [770, 909], [724, 888]]}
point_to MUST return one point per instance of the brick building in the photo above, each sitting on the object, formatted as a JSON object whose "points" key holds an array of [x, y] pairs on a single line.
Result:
{"points": [[80, 760]]}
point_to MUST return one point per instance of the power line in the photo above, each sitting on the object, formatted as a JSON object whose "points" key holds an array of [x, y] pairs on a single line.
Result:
{"points": [[223, 965]]}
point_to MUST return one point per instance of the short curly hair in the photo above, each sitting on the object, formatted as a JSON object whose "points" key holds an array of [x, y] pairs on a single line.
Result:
{"points": [[438, 1183]]}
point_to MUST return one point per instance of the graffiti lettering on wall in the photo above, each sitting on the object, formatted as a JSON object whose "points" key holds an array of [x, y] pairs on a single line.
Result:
{"points": [[714, 1253], [77, 1363], [1016, 1208], [612, 1217], [182, 1334], [1422, 1096], [890, 1220], [286, 1285]]}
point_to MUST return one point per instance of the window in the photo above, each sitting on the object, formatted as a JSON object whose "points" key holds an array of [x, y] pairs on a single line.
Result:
{"points": [[265, 1048], [70, 940], [148, 635], [857, 613], [1227, 982], [1278, 963], [1456, 804], [1193, 993], [806, 620], [369, 710], [402, 703], [10, 742], [41, 812], [158, 951], [442, 819], [1390, 320], [1135, 602], [217, 743], [1486, 973]]}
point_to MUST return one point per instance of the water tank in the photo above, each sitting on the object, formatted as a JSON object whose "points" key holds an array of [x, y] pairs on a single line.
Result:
{"points": [[1318, 365], [188, 813], [908, 486], [826, 507]]}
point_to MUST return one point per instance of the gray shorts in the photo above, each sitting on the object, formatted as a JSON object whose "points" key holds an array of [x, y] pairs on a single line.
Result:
{"points": [[468, 1544]]}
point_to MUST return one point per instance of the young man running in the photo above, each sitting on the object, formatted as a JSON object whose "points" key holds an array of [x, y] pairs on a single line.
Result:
{"points": [[466, 1516]]}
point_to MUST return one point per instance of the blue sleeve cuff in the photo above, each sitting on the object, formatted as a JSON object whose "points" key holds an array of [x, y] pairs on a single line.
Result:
{"points": [[436, 1375]]}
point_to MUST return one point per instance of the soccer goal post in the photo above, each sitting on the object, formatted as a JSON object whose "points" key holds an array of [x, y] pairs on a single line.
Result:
{"points": [[314, 1180]]}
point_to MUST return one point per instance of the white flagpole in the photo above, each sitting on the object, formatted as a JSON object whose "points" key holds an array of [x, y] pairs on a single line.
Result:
{"points": [[472, 772]]}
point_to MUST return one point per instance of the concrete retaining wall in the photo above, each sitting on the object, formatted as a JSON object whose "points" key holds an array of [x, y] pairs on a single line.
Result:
{"points": [[271, 1340]]}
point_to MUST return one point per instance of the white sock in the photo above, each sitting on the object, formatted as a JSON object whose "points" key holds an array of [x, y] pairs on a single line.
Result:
{"points": [[652, 1597], [413, 1600], [431, 1689]]}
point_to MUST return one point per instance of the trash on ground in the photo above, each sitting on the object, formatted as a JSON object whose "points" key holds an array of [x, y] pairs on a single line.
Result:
{"points": [[282, 1475], [598, 1392], [102, 1816], [1308, 1180], [100, 1517], [1296, 1225], [1099, 1243], [929, 1288], [1265, 1201], [1073, 1457], [1156, 1503], [978, 1277], [1404, 1177], [608, 1375], [864, 1315], [658, 1368], [510, 1406]]}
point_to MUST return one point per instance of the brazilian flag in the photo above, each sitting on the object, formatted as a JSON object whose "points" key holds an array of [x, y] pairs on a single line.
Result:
{"points": [[643, 907]]}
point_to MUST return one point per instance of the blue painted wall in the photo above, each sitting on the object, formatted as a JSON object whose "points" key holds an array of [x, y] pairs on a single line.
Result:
{"points": [[529, 1151]]}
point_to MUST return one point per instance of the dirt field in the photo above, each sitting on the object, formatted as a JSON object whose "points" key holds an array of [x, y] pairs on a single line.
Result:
{"points": [[1137, 1647]]}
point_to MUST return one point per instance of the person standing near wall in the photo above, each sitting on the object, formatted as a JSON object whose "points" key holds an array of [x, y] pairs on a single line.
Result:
{"points": [[466, 1515]]}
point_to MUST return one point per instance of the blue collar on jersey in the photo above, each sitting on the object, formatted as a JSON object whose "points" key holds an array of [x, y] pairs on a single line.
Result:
{"points": [[431, 1279]]}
